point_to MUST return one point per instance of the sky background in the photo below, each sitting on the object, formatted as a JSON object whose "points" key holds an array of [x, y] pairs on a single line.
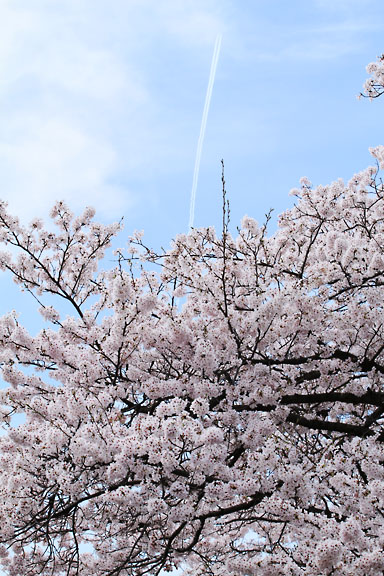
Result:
{"points": [[101, 104]]}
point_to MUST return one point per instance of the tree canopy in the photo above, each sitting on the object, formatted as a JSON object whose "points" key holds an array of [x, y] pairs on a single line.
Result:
{"points": [[223, 411]]}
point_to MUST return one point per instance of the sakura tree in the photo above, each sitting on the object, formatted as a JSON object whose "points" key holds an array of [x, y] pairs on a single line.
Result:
{"points": [[223, 412]]}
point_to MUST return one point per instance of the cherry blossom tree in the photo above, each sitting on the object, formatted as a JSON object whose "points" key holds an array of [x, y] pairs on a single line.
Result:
{"points": [[374, 85], [218, 407]]}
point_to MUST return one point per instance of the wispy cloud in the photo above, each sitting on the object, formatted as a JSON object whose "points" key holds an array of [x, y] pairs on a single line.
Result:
{"points": [[322, 31], [342, 5]]}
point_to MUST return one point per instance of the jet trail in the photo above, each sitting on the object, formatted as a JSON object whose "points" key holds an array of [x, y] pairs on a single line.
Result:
{"points": [[212, 74]]}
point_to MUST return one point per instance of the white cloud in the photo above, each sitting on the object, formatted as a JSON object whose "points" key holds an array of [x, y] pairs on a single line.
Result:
{"points": [[191, 21], [14, 25], [56, 160], [95, 74]]}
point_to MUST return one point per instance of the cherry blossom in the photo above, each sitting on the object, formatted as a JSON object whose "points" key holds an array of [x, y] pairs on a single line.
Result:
{"points": [[374, 86]]}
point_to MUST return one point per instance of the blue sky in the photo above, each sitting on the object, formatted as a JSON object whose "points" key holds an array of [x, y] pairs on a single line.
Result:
{"points": [[101, 104]]}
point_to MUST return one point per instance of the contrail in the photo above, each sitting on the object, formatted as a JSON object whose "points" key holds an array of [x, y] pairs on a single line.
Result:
{"points": [[212, 74]]}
